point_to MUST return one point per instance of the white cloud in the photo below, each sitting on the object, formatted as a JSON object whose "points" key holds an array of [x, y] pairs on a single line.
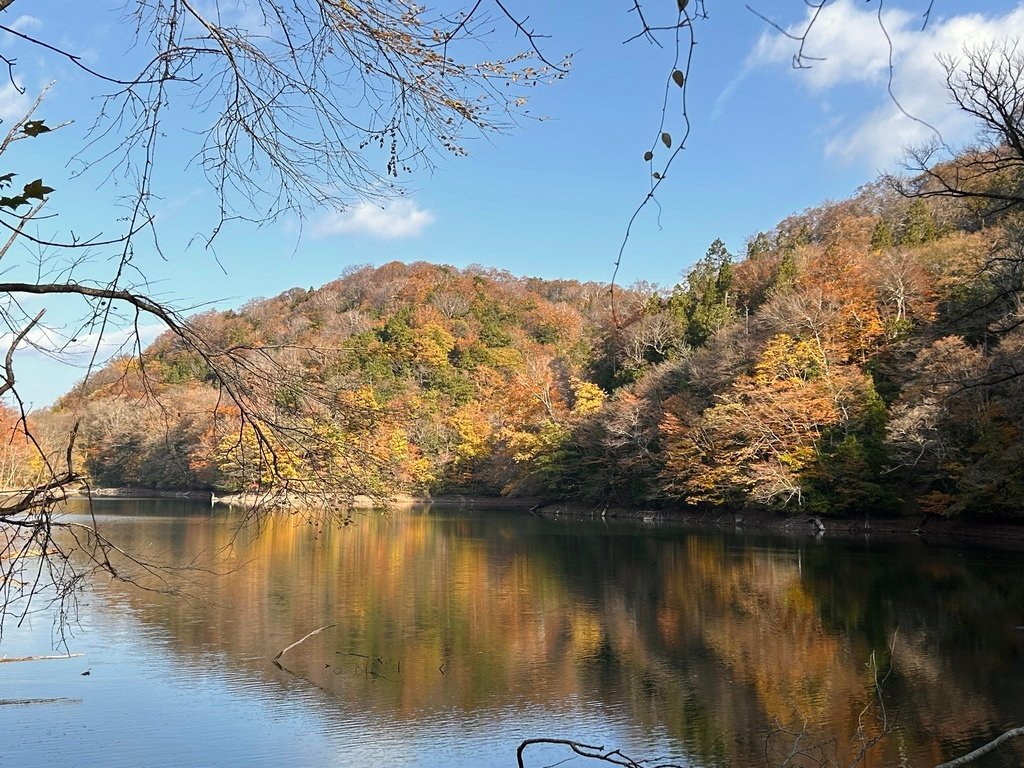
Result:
{"points": [[395, 219], [25, 23], [13, 104], [855, 52], [78, 350], [726, 93], [844, 46], [48, 362]]}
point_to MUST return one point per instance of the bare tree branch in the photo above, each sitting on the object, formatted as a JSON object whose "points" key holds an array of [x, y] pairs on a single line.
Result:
{"points": [[970, 757]]}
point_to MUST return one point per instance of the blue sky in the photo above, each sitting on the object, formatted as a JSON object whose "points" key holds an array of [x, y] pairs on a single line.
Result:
{"points": [[550, 198]]}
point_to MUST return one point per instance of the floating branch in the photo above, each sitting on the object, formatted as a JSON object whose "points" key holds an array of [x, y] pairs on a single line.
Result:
{"points": [[30, 702], [8, 660], [283, 651]]}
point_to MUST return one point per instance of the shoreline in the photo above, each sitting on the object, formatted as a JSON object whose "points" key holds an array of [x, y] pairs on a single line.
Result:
{"points": [[296, 501], [999, 534], [994, 533]]}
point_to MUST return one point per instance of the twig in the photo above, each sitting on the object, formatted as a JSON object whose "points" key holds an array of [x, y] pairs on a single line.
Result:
{"points": [[283, 651]]}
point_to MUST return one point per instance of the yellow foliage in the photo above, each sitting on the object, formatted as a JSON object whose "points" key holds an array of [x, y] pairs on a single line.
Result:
{"points": [[432, 346], [587, 397], [525, 446], [252, 463], [473, 432], [786, 358], [528, 445], [398, 442], [506, 357]]}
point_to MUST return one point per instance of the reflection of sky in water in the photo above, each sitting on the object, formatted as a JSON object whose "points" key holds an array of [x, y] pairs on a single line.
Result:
{"points": [[143, 706], [654, 640]]}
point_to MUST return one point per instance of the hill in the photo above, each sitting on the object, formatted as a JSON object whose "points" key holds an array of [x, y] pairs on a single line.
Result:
{"points": [[416, 378], [866, 355]]}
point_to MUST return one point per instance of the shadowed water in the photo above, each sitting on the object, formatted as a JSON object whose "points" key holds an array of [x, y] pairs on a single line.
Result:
{"points": [[457, 634]]}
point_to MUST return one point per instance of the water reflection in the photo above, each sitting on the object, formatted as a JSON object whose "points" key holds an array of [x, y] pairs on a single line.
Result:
{"points": [[485, 628]]}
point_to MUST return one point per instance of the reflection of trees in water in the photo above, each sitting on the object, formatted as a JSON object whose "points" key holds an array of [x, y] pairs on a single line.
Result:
{"points": [[712, 638]]}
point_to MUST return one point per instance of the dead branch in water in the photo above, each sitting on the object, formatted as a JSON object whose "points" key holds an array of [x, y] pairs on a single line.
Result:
{"points": [[30, 702], [299, 642], [9, 660], [615, 756]]}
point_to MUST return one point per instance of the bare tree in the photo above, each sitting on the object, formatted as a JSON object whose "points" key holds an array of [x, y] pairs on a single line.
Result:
{"points": [[987, 83]]}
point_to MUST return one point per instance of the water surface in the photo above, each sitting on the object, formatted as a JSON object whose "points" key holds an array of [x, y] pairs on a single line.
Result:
{"points": [[457, 634]]}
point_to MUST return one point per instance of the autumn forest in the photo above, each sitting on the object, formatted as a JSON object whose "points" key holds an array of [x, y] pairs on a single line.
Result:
{"points": [[865, 356]]}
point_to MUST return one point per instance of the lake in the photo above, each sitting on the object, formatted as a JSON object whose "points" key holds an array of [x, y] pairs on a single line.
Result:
{"points": [[457, 633]]}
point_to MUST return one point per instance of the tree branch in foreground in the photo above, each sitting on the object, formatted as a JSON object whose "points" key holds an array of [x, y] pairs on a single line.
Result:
{"points": [[970, 757]]}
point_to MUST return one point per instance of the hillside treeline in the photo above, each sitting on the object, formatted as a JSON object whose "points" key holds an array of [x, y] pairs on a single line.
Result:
{"points": [[864, 356]]}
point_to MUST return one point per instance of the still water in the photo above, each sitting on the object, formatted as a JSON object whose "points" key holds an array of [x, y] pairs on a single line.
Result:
{"points": [[458, 633]]}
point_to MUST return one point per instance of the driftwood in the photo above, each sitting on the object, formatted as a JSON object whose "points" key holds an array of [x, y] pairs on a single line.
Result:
{"points": [[30, 702], [301, 640], [11, 659]]}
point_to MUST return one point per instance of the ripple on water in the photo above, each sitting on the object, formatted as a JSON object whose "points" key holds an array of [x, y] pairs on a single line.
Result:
{"points": [[655, 644]]}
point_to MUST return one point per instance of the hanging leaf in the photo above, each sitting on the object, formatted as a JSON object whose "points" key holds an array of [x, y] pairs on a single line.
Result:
{"points": [[683, 4], [678, 77], [34, 128], [656, 175], [666, 139], [648, 156], [36, 189]]}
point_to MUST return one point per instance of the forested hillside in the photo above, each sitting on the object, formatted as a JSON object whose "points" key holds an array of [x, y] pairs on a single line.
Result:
{"points": [[419, 378], [863, 356]]}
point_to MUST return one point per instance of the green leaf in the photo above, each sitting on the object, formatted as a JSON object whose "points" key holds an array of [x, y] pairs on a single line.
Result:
{"points": [[678, 77], [648, 156], [34, 128], [6, 179], [666, 139]]}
